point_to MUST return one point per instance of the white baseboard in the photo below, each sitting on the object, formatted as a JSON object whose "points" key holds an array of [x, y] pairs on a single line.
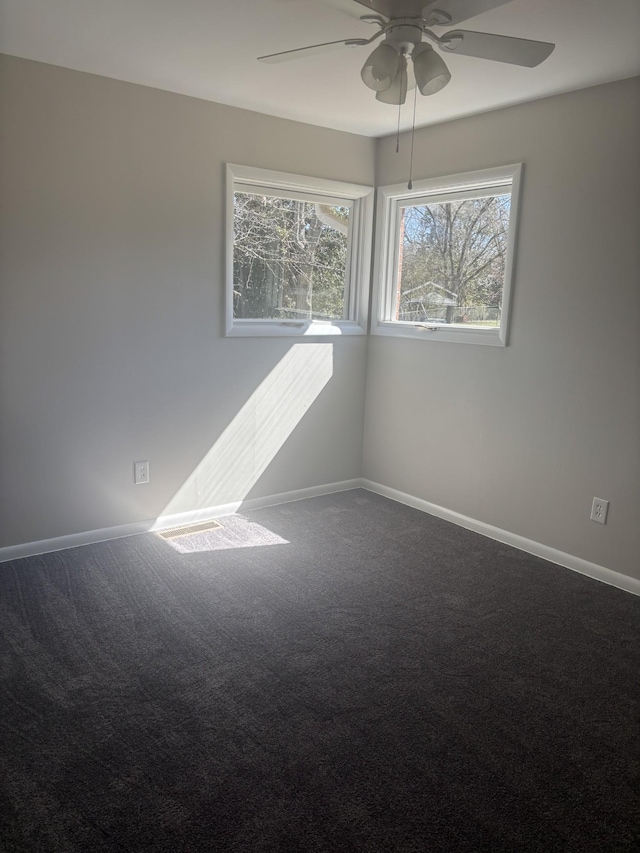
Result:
{"points": [[576, 564], [59, 543], [45, 546]]}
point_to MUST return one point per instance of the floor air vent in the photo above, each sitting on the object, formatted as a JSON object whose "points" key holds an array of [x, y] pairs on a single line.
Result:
{"points": [[175, 532]]}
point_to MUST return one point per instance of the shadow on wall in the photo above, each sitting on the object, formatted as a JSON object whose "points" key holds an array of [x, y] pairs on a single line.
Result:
{"points": [[247, 446]]}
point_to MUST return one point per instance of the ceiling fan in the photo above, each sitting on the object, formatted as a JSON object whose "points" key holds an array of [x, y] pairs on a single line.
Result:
{"points": [[404, 24]]}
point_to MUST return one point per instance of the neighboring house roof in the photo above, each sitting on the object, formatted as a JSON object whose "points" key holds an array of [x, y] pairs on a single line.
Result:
{"points": [[433, 293]]}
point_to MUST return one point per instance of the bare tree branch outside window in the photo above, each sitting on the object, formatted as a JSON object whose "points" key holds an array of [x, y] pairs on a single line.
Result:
{"points": [[452, 261], [289, 258]]}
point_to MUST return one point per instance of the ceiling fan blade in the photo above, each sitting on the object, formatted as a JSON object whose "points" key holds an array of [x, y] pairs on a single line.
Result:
{"points": [[296, 53], [460, 10], [498, 48]]}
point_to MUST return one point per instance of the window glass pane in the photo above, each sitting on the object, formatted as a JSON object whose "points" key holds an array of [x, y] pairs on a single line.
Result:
{"points": [[289, 258], [451, 262]]}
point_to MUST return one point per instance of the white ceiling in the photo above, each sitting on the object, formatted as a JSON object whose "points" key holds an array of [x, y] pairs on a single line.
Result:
{"points": [[208, 49]]}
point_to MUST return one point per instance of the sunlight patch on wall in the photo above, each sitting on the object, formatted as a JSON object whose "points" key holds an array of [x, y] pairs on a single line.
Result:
{"points": [[247, 446]]}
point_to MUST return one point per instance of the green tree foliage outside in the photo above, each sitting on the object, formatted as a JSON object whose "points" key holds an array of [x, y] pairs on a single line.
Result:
{"points": [[289, 258], [452, 260]]}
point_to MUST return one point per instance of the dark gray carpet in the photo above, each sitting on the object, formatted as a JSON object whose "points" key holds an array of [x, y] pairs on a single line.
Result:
{"points": [[378, 681]]}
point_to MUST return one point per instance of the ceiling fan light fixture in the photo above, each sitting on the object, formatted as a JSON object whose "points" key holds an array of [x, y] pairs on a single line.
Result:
{"points": [[430, 69], [380, 69], [397, 91]]}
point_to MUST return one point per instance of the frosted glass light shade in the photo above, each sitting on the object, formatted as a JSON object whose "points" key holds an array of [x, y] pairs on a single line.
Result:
{"points": [[429, 67], [380, 68], [397, 91]]}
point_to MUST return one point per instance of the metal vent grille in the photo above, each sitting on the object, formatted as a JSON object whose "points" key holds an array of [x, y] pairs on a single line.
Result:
{"points": [[175, 532]]}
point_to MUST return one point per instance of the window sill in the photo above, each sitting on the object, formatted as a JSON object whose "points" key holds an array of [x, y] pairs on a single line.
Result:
{"points": [[291, 329], [442, 333]]}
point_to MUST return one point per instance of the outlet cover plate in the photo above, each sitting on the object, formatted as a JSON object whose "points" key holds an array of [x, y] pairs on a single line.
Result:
{"points": [[599, 509], [140, 473]]}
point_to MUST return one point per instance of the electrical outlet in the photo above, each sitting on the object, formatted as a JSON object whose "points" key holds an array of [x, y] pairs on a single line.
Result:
{"points": [[599, 510], [140, 472]]}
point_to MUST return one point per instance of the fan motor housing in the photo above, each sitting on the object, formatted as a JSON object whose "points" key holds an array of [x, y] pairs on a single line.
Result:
{"points": [[404, 34]]}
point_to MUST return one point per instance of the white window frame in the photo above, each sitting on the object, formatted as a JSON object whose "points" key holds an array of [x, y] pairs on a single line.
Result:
{"points": [[449, 188], [358, 198]]}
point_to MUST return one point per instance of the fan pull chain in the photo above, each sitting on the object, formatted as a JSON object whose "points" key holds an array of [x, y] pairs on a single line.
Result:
{"points": [[402, 53], [413, 134]]}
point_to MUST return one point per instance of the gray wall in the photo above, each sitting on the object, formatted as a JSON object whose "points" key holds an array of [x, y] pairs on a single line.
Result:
{"points": [[524, 437], [111, 201], [111, 304]]}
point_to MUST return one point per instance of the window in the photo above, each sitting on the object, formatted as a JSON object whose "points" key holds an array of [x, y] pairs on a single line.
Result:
{"points": [[444, 257], [298, 253]]}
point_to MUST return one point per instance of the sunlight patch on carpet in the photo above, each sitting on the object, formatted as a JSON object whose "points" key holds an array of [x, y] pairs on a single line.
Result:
{"points": [[234, 531]]}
